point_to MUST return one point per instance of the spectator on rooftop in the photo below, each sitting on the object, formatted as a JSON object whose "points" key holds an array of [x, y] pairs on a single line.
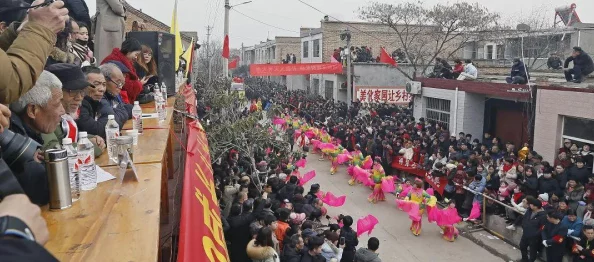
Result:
{"points": [[470, 71], [582, 65], [519, 74], [554, 62]]}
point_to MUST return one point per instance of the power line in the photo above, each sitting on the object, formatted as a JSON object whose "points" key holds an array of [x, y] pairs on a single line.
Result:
{"points": [[264, 23], [347, 24]]}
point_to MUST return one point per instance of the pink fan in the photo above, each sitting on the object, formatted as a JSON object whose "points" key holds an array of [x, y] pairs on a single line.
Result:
{"points": [[327, 146], [320, 194], [366, 224], [405, 189], [268, 150], [388, 185], [430, 191], [367, 163], [341, 158], [315, 143], [297, 133], [448, 217], [360, 174], [369, 182], [333, 201], [350, 170], [340, 224], [310, 134], [475, 212], [308, 176], [301, 163], [279, 121], [432, 214]]}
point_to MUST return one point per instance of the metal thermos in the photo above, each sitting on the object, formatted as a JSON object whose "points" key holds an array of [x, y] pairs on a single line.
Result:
{"points": [[58, 179]]}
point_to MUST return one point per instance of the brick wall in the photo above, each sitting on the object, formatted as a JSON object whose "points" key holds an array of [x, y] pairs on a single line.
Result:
{"points": [[287, 45], [149, 23], [551, 106]]}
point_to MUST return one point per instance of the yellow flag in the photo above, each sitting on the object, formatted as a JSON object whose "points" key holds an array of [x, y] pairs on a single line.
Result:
{"points": [[175, 31], [188, 56]]}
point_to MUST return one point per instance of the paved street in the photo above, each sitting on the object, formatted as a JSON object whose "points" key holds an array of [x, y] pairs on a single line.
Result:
{"points": [[396, 241]]}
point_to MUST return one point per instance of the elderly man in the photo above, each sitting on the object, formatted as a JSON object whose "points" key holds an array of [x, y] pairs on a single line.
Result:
{"points": [[74, 85], [95, 108], [36, 112]]}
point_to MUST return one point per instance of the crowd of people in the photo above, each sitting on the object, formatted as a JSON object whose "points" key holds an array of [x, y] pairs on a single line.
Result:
{"points": [[54, 86], [559, 191]]}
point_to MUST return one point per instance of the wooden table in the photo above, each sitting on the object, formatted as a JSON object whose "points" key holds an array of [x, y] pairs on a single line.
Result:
{"points": [[117, 221], [152, 123], [151, 148]]}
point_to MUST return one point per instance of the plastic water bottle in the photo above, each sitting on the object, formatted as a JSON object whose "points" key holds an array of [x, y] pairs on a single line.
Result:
{"points": [[164, 91], [112, 130], [86, 162], [160, 104], [73, 168], [137, 117]]}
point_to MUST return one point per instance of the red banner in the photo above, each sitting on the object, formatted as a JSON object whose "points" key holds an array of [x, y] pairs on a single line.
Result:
{"points": [[201, 235], [295, 69], [437, 183], [382, 94]]}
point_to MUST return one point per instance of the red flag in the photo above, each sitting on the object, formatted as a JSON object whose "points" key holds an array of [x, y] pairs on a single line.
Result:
{"points": [[233, 64], [386, 58], [226, 47]]}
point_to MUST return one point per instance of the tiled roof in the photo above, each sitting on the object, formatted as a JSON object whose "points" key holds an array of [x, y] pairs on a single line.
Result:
{"points": [[149, 19]]}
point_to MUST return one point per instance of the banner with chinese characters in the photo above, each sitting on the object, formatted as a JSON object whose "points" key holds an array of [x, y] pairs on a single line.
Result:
{"points": [[201, 235], [295, 69], [437, 183], [382, 94]]}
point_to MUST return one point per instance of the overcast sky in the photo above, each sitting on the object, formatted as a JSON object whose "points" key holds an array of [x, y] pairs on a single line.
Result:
{"points": [[289, 15]]}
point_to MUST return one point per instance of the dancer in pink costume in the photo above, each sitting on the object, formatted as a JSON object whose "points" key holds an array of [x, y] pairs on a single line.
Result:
{"points": [[377, 174], [415, 203], [446, 219]]}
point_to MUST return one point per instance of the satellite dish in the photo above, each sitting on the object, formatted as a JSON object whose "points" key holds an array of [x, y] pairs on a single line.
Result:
{"points": [[523, 27]]}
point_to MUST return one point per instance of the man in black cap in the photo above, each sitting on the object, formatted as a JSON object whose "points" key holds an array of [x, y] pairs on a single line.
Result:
{"points": [[582, 65], [74, 84], [534, 219]]}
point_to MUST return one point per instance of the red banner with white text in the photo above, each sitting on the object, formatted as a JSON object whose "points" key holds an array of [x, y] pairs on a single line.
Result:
{"points": [[201, 229], [295, 69], [382, 94], [437, 183]]}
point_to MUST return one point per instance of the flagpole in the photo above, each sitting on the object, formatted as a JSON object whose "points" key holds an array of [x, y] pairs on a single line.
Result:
{"points": [[226, 33]]}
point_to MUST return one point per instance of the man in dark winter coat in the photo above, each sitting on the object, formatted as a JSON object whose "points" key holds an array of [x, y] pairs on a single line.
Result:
{"points": [[548, 184], [554, 236], [292, 250], [582, 65], [518, 73], [350, 240], [534, 219], [579, 172], [239, 234]]}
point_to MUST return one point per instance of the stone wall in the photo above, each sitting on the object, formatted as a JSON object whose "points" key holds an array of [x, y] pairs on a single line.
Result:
{"points": [[287, 45]]}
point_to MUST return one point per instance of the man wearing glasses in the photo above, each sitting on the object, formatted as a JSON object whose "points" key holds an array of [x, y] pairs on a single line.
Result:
{"points": [[102, 99], [73, 89]]}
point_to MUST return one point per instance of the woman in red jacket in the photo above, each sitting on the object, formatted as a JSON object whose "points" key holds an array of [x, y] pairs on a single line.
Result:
{"points": [[129, 52]]}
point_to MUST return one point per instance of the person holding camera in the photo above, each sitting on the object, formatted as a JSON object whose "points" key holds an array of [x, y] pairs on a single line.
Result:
{"points": [[23, 231], [26, 44], [37, 112]]}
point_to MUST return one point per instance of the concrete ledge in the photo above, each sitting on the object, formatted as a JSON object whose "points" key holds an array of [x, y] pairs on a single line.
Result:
{"points": [[494, 245]]}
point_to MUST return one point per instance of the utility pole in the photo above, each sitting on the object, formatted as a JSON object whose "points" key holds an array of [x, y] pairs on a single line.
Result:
{"points": [[226, 33], [208, 28], [346, 35]]}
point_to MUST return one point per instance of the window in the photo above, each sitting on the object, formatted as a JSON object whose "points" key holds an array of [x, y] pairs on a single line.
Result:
{"points": [[316, 48], [306, 49], [438, 110], [578, 130]]}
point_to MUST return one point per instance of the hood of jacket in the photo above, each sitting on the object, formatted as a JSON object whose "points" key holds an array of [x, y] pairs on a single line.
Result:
{"points": [[63, 57], [329, 250], [366, 255], [117, 55], [258, 252]]}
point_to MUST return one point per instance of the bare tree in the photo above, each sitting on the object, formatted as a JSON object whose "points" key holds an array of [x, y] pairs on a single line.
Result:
{"points": [[425, 33], [534, 35]]}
